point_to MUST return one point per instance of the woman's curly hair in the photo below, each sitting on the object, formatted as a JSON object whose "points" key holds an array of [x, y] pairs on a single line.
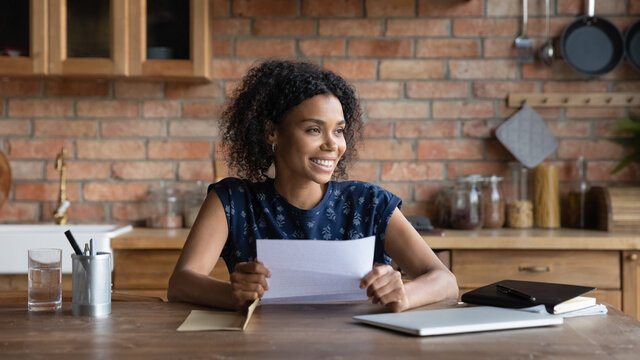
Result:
{"points": [[267, 93]]}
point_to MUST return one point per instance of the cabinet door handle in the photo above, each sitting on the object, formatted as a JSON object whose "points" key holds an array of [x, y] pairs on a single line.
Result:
{"points": [[633, 257], [534, 268]]}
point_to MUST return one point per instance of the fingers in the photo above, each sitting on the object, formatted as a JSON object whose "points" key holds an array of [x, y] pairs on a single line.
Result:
{"points": [[248, 282], [252, 267], [397, 306], [389, 294], [385, 286], [241, 279], [258, 286], [375, 273]]}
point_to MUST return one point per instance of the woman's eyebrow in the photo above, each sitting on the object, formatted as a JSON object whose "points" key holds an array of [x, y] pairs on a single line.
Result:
{"points": [[322, 122]]}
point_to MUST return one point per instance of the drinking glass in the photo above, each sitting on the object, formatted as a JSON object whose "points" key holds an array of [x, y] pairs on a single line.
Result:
{"points": [[45, 279]]}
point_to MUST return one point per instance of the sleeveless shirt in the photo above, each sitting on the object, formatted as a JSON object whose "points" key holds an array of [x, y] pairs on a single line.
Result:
{"points": [[348, 210]]}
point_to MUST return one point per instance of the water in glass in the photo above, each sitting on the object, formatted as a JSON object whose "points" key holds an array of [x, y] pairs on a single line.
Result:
{"points": [[45, 280]]}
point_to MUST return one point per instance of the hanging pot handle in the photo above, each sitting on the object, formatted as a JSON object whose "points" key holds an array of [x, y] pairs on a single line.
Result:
{"points": [[591, 8], [525, 16]]}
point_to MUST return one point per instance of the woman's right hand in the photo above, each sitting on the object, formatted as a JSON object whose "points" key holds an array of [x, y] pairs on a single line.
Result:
{"points": [[248, 282]]}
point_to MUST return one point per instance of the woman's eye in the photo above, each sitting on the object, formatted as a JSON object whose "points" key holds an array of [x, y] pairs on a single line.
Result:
{"points": [[314, 130], [340, 131]]}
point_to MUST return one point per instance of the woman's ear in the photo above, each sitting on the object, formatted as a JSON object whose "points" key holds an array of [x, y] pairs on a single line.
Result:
{"points": [[271, 132]]}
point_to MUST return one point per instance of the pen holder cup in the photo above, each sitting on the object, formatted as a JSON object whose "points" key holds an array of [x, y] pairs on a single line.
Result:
{"points": [[91, 276]]}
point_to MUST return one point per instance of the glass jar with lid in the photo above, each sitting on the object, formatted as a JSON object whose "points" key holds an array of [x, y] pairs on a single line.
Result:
{"points": [[443, 207], [192, 201], [466, 202], [493, 203], [518, 197], [164, 208]]}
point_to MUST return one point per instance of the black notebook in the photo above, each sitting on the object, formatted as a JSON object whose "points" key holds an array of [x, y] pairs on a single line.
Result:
{"points": [[521, 294]]}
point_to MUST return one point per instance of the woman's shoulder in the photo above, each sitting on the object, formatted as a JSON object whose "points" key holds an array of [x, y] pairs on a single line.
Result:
{"points": [[365, 196], [233, 184], [356, 187]]}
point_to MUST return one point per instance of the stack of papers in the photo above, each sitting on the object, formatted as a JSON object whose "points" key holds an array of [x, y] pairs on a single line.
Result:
{"points": [[578, 306], [304, 271], [577, 303]]}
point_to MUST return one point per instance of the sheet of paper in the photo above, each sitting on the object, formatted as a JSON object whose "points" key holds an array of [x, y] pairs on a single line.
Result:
{"points": [[598, 309], [315, 270], [203, 320]]}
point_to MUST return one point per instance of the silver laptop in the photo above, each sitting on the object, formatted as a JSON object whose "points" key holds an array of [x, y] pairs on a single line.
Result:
{"points": [[459, 320]]}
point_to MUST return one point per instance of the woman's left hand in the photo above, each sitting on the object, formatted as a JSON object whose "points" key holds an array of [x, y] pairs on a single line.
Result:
{"points": [[384, 285]]}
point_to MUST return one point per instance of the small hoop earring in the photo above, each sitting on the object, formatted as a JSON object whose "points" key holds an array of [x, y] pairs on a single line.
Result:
{"points": [[273, 147]]}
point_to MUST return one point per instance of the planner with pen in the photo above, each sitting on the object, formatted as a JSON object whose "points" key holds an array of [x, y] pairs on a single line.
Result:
{"points": [[521, 294]]}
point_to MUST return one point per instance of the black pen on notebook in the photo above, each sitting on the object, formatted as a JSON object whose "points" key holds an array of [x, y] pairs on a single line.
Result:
{"points": [[510, 291]]}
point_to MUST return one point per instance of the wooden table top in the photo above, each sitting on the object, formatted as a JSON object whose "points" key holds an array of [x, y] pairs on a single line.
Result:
{"points": [[148, 330], [571, 239]]}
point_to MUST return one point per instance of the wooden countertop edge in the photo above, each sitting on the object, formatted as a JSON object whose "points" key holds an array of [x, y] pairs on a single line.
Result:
{"points": [[138, 243], [488, 243], [563, 239]]}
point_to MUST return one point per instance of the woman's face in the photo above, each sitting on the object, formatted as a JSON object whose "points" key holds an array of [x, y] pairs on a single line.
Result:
{"points": [[310, 141]]}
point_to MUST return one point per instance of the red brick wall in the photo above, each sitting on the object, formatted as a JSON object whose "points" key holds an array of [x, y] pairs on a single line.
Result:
{"points": [[433, 76]]}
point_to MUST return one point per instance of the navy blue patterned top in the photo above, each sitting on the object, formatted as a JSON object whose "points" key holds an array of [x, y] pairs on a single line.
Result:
{"points": [[348, 210]]}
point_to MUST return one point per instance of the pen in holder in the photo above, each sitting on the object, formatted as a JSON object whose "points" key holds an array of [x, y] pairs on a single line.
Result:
{"points": [[91, 276]]}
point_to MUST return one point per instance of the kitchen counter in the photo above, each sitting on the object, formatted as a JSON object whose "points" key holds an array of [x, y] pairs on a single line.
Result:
{"points": [[144, 259], [535, 239], [145, 238]]}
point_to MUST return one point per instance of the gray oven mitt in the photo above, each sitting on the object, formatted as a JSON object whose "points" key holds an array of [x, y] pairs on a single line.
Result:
{"points": [[527, 137]]}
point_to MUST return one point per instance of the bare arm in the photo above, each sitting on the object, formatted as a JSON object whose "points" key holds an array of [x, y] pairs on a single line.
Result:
{"points": [[432, 281], [190, 281]]}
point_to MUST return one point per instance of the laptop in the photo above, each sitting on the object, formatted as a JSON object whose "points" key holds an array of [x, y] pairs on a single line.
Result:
{"points": [[458, 320]]}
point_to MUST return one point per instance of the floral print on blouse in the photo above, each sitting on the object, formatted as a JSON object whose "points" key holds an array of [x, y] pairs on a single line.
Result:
{"points": [[348, 210]]}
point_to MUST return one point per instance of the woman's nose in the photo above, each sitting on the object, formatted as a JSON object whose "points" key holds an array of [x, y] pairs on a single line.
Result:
{"points": [[330, 142]]}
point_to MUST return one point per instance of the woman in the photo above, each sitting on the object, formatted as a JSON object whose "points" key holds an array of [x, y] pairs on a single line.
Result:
{"points": [[305, 121]]}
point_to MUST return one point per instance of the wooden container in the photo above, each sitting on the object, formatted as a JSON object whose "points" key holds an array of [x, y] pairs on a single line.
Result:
{"points": [[5, 178], [546, 205], [615, 208]]}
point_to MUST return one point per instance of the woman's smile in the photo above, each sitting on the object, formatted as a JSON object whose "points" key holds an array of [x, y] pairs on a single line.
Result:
{"points": [[324, 163]]}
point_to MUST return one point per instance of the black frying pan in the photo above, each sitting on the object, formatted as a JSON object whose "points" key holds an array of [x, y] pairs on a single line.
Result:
{"points": [[592, 45], [632, 45]]}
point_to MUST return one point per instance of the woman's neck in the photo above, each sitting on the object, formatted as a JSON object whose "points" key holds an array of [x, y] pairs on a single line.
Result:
{"points": [[301, 195]]}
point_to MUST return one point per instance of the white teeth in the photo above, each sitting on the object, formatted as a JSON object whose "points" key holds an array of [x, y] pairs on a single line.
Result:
{"points": [[323, 162]]}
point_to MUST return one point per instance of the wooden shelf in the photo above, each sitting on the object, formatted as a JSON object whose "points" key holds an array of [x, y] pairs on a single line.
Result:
{"points": [[574, 100]]}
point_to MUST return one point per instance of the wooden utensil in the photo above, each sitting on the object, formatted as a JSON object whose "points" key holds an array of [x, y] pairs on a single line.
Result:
{"points": [[5, 178], [547, 199]]}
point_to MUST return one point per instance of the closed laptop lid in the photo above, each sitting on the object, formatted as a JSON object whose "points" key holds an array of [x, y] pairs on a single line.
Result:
{"points": [[458, 320]]}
